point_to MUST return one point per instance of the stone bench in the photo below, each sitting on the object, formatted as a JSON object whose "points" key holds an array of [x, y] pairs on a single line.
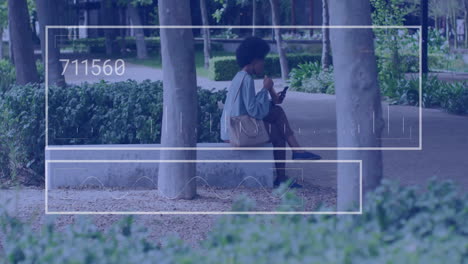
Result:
{"points": [[107, 166]]}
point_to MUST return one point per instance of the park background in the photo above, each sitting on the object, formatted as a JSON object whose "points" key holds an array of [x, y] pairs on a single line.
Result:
{"points": [[400, 223]]}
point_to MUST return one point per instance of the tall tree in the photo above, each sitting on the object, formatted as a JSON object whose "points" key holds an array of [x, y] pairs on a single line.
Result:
{"points": [[437, 11], [206, 34], [279, 39], [108, 17], [123, 31], [46, 12], [254, 16], [357, 98], [454, 14], [176, 180], [133, 12], [21, 40], [326, 49], [450, 9], [3, 23], [465, 18], [10, 48], [293, 15], [311, 15], [424, 27], [1, 43]]}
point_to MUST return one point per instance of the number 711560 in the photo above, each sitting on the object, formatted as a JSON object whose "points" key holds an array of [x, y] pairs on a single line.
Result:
{"points": [[96, 66]]}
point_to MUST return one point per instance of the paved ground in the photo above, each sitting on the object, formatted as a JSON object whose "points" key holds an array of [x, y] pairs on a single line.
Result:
{"points": [[444, 155]]}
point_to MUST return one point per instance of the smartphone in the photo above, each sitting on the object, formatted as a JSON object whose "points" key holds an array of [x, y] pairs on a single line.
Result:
{"points": [[283, 93]]}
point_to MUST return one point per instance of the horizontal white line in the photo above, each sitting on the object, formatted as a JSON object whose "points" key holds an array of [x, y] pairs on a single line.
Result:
{"points": [[233, 26], [227, 148], [204, 213], [265, 27], [201, 161], [218, 212]]}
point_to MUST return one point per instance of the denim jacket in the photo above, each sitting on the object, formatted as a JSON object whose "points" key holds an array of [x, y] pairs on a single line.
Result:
{"points": [[247, 102]]}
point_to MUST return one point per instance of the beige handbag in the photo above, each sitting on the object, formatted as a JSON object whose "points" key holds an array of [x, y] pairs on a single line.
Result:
{"points": [[246, 131]]}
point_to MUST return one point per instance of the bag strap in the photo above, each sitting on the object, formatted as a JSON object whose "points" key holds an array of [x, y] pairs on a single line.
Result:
{"points": [[238, 91]]}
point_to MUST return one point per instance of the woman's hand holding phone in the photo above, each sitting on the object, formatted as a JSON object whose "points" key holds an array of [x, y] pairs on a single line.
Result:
{"points": [[268, 83], [277, 98], [282, 94]]}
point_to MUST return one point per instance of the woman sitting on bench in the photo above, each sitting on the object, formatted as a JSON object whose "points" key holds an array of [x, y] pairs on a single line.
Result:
{"points": [[250, 56]]}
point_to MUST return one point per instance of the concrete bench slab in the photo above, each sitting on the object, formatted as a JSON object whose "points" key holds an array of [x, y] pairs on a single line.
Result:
{"points": [[131, 166]]}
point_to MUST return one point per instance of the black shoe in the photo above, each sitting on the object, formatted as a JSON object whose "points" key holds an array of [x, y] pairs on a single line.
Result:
{"points": [[295, 185], [305, 156], [292, 183]]}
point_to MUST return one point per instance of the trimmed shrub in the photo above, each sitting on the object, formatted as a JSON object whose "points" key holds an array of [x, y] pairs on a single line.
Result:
{"points": [[100, 113], [225, 68], [7, 75], [309, 77], [398, 225], [454, 97]]}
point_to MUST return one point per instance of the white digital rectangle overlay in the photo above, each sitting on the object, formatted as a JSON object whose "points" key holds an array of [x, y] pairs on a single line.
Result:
{"points": [[419, 147], [359, 162]]}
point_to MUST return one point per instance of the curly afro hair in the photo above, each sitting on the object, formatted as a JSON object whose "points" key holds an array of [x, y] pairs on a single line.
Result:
{"points": [[251, 48]]}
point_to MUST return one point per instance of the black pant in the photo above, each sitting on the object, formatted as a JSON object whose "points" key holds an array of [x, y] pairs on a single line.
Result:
{"points": [[278, 128]]}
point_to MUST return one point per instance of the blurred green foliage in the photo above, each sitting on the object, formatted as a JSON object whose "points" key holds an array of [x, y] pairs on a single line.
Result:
{"points": [[310, 77], [99, 113], [398, 225]]}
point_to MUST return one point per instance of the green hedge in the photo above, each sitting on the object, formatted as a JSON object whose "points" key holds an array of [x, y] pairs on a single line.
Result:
{"points": [[100, 113], [398, 225], [225, 68]]}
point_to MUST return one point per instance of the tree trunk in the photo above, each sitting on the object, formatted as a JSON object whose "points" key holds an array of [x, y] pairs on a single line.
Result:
{"points": [[254, 16], [447, 32], [21, 40], [326, 50], [176, 180], [279, 40], [108, 18], [424, 27], [46, 13], [357, 99], [293, 14], [454, 27], [10, 49], [466, 26], [311, 16], [123, 31], [1, 43], [142, 50], [206, 34]]}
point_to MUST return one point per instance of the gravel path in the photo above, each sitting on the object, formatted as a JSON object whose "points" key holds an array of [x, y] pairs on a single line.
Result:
{"points": [[28, 204]]}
